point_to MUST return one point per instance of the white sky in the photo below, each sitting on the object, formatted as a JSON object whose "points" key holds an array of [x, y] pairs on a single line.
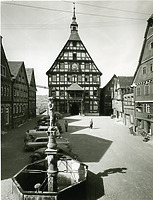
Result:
{"points": [[112, 32]]}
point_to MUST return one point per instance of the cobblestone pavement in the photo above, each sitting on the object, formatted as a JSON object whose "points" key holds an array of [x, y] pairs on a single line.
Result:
{"points": [[120, 164]]}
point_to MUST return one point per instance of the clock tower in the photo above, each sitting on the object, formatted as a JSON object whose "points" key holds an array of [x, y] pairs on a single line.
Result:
{"points": [[74, 79]]}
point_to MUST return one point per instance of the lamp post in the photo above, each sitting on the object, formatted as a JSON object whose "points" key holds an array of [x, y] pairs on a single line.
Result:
{"points": [[51, 151]]}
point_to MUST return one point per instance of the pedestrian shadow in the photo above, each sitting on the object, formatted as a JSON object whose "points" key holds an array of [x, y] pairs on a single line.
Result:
{"points": [[94, 186], [112, 171]]}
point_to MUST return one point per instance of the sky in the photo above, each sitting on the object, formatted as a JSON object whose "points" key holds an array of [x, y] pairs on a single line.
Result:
{"points": [[112, 31]]}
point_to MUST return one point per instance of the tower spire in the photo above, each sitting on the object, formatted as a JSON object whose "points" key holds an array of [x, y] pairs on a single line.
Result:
{"points": [[74, 17], [74, 25]]}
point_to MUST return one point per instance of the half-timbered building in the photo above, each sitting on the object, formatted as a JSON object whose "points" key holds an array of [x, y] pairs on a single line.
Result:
{"points": [[6, 92], [20, 92], [32, 93], [74, 79], [121, 85], [143, 84]]}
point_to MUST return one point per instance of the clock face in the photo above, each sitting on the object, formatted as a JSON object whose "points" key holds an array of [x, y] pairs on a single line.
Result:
{"points": [[74, 67]]}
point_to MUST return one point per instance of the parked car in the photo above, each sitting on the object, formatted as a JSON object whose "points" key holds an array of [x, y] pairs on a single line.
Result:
{"points": [[39, 132], [40, 142], [62, 150], [36, 143]]}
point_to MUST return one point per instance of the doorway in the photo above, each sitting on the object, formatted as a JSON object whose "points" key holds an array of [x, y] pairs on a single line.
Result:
{"points": [[74, 109]]}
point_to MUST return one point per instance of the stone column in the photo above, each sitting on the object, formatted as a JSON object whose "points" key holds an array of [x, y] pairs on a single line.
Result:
{"points": [[51, 152]]}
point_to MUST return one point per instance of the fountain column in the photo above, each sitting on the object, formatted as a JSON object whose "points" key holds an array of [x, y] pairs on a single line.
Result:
{"points": [[51, 151]]}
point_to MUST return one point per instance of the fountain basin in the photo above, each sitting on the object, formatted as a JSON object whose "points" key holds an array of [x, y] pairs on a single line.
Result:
{"points": [[71, 179]]}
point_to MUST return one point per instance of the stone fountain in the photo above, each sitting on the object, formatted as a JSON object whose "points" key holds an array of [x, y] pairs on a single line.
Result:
{"points": [[57, 177]]}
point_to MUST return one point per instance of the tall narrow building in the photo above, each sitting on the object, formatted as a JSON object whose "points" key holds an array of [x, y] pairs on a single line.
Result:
{"points": [[143, 84], [74, 79]]}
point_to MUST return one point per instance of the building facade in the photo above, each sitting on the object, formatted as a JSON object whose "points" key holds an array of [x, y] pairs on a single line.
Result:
{"points": [[74, 79], [31, 92], [106, 98], [20, 92], [121, 83], [6, 93], [143, 84], [128, 106]]}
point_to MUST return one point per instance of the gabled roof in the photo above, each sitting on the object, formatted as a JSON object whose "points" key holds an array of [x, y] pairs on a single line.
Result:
{"points": [[74, 87], [4, 60], [125, 81], [150, 20], [29, 72], [74, 36], [15, 67], [114, 76]]}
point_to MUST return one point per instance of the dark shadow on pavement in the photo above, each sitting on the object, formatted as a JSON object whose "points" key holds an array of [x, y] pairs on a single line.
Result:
{"points": [[113, 171], [94, 186], [89, 148], [72, 129]]}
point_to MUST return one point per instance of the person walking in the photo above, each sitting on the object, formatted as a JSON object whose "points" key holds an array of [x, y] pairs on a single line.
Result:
{"points": [[91, 123], [66, 125]]}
